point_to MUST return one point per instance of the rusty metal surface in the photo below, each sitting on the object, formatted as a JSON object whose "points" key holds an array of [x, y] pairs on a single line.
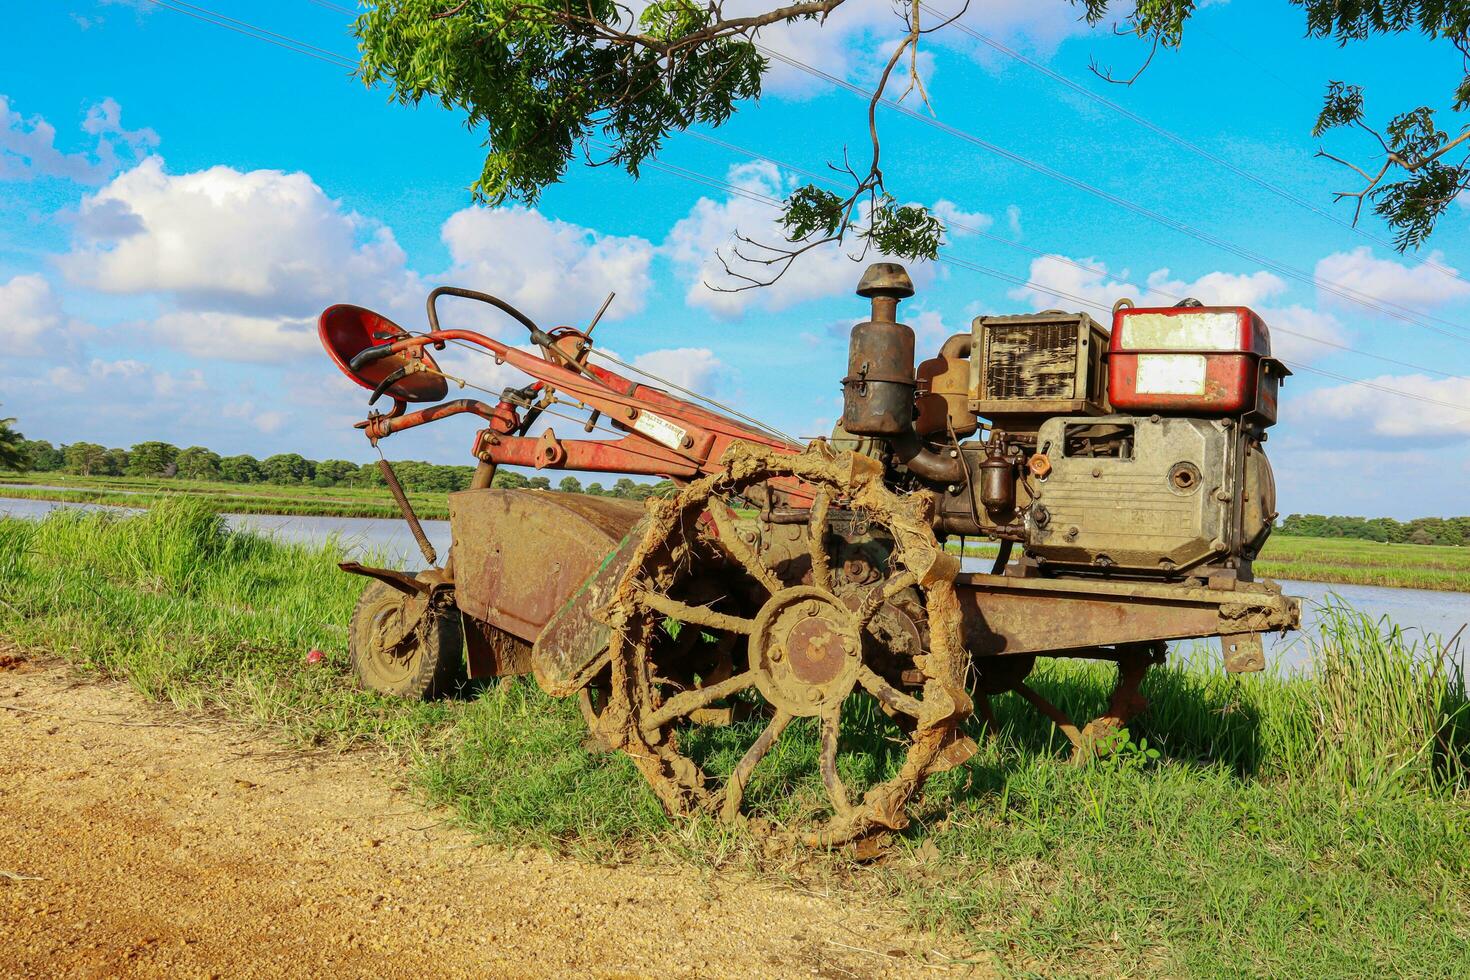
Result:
{"points": [[1244, 652], [519, 553], [573, 645], [686, 544], [405, 582], [492, 652], [1006, 615], [406, 509]]}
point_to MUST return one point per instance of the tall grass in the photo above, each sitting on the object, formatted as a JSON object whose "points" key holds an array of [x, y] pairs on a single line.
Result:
{"points": [[1282, 824]]}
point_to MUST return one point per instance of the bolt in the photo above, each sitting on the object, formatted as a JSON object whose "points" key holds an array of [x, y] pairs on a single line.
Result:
{"points": [[777, 654], [954, 454], [1072, 533], [1096, 471], [631, 412], [687, 442], [813, 694]]}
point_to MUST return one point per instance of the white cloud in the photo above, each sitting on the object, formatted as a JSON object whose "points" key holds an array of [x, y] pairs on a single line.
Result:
{"points": [[1358, 413], [695, 368], [857, 39], [1013, 219], [32, 318], [126, 381], [1295, 329], [1293, 326], [263, 242], [28, 145], [105, 119], [715, 228], [1085, 278], [959, 222], [1383, 279], [236, 337], [553, 271]]}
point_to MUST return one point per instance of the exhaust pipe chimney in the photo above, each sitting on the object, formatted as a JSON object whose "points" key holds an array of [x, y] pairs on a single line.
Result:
{"points": [[878, 392]]}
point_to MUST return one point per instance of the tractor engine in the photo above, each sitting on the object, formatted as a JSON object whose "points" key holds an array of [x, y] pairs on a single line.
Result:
{"points": [[1135, 452]]}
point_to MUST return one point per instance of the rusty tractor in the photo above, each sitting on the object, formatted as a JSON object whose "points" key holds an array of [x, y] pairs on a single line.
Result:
{"points": [[780, 585]]}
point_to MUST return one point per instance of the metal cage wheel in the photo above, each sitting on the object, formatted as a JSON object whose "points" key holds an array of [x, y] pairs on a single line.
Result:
{"points": [[807, 650]]}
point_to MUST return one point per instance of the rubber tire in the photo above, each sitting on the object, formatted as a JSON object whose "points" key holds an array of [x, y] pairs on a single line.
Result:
{"points": [[435, 670]]}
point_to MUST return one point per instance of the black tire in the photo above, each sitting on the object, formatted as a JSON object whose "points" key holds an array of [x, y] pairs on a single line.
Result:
{"points": [[427, 664]]}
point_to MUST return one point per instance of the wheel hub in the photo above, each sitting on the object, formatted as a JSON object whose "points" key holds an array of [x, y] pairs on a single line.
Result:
{"points": [[806, 650]]}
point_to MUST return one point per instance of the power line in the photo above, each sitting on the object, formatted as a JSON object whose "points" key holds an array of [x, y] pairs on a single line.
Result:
{"points": [[259, 34], [1060, 259], [1187, 144], [1050, 291], [335, 6], [1386, 307], [761, 198]]}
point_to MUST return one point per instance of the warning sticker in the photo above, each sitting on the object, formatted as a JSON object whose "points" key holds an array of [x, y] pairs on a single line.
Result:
{"points": [[1171, 374], [661, 429]]}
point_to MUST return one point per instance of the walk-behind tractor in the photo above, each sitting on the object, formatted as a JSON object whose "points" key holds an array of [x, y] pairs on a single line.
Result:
{"points": [[783, 588]]}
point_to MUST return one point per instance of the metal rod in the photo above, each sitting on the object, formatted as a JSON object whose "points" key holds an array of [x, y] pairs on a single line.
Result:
{"points": [[401, 498], [772, 430]]}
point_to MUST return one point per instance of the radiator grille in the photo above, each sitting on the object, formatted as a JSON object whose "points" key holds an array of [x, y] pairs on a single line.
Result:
{"points": [[1036, 360]]}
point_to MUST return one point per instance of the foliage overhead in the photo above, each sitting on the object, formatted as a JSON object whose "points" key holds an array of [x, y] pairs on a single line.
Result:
{"points": [[549, 81]]}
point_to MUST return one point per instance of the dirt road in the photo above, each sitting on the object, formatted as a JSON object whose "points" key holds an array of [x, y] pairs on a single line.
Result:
{"points": [[137, 841]]}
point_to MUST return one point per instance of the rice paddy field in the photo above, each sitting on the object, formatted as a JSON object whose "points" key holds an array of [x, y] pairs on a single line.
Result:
{"points": [[1290, 826], [1342, 561]]}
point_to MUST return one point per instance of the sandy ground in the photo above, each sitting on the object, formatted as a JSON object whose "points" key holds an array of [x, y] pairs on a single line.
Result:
{"points": [[135, 841]]}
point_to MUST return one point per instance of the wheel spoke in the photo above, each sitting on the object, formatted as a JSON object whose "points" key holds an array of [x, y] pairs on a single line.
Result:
{"points": [[817, 542], [686, 703], [699, 615], [730, 541], [831, 731], [878, 595], [735, 786], [888, 694]]}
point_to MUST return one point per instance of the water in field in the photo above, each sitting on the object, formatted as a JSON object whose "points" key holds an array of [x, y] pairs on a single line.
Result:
{"points": [[1420, 610]]}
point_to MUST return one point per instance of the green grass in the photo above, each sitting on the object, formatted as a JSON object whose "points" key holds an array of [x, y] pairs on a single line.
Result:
{"points": [[1351, 562], [222, 498], [1340, 561], [1263, 825]]}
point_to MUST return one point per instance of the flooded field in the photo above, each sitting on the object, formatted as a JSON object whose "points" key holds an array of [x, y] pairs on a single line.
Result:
{"points": [[388, 540]]}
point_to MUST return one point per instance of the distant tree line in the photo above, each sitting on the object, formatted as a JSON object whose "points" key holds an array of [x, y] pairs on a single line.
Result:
{"points": [[1421, 530], [160, 460]]}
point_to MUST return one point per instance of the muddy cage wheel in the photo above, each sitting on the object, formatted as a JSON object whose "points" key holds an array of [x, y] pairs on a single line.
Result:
{"points": [[404, 646], [800, 651]]}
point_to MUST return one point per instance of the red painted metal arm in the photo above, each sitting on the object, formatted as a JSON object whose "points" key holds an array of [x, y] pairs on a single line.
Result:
{"points": [[381, 426], [592, 455], [667, 436]]}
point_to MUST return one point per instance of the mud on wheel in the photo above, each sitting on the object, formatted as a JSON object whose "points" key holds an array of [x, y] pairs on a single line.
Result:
{"points": [[405, 645], [705, 631]]}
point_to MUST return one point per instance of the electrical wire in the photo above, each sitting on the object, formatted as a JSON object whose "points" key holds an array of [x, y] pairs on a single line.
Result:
{"points": [[1063, 260], [335, 6], [258, 33], [1185, 143], [1038, 167], [1093, 304], [1367, 301]]}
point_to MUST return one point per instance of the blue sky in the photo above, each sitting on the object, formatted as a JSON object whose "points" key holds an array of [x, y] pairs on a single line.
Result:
{"points": [[178, 202]]}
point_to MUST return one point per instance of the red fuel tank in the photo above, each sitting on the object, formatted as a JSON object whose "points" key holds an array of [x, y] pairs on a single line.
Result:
{"points": [[1199, 361]]}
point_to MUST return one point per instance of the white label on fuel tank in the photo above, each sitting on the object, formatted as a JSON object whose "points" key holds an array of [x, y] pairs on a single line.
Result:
{"points": [[661, 429], [1171, 374]]}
